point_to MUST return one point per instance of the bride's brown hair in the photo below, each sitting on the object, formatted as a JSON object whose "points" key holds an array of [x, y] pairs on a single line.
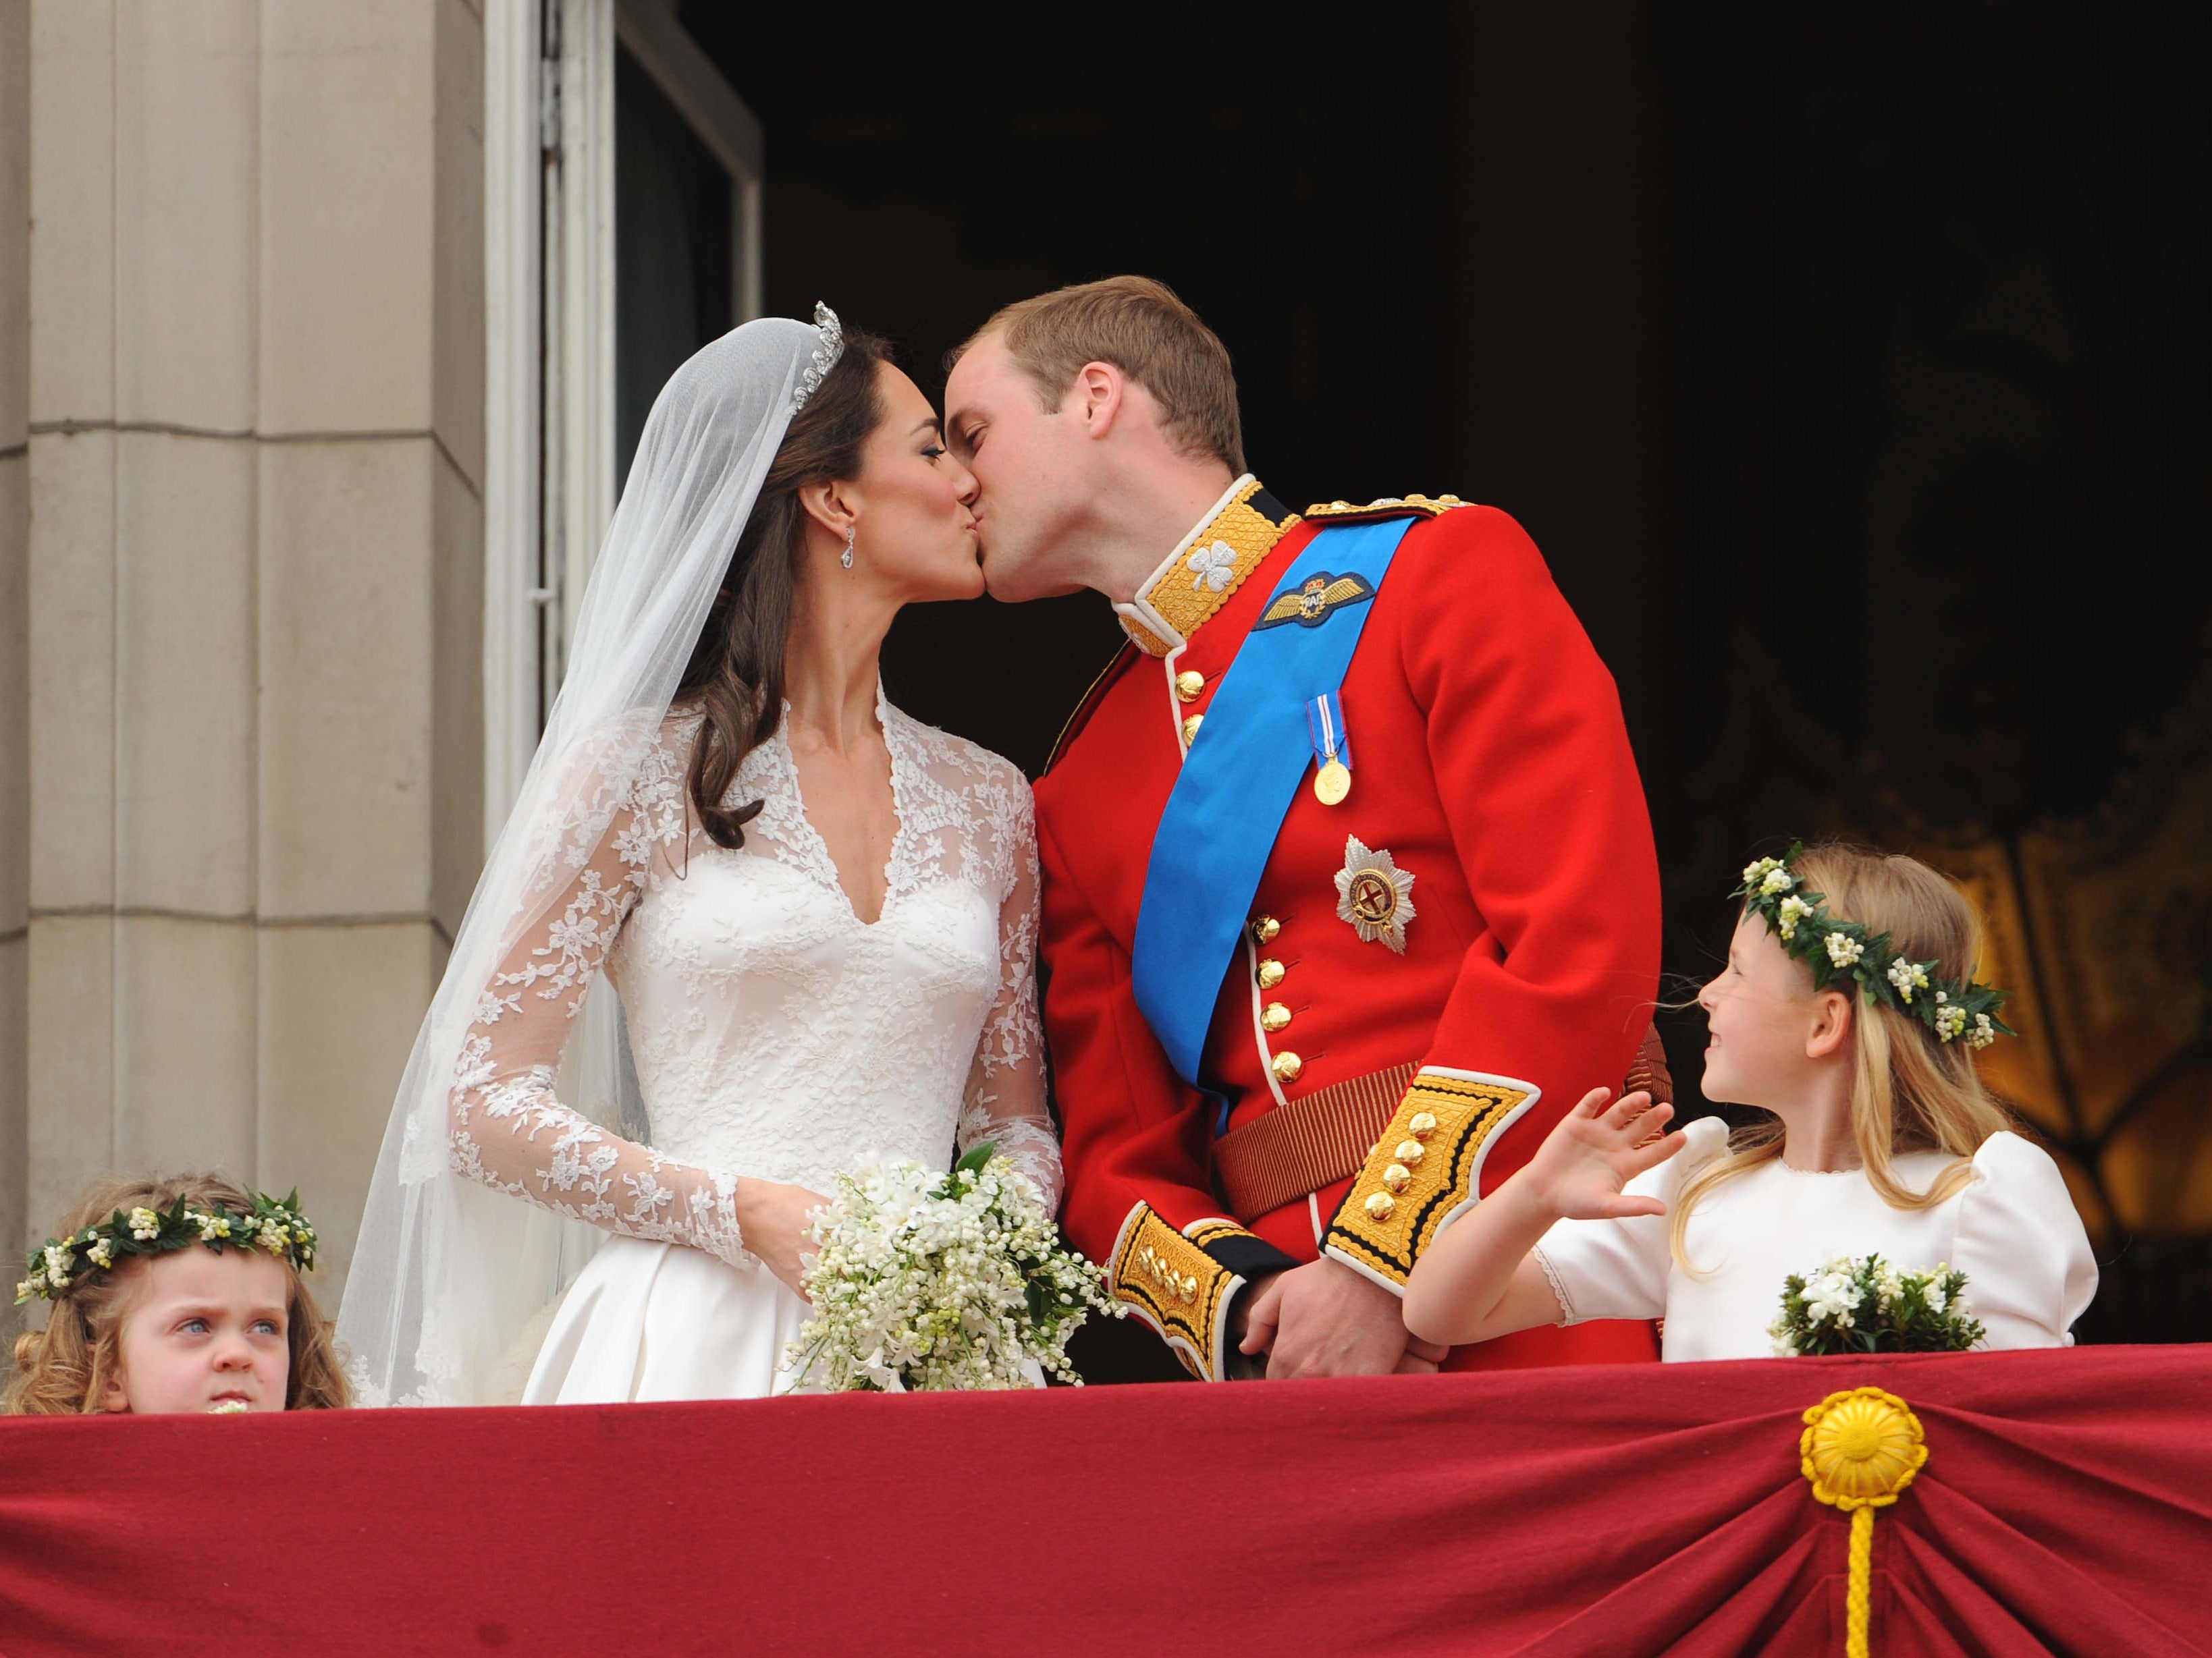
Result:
{"points": [[735, 677], [62, 1368]]}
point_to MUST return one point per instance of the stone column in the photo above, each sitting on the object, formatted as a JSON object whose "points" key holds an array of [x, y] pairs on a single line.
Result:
{"points": [[255, 560], [15, 638]]}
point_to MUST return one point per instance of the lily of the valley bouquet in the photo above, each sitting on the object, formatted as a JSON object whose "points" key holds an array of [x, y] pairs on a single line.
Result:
{"points": [[930, 1280], [1862, 1304]]}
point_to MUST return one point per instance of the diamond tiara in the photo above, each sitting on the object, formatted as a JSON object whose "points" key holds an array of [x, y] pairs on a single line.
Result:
{"points": [[825, 354]]}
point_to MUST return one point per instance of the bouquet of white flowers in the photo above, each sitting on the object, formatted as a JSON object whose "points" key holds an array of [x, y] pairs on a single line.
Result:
{"points": [[1861, 1305], [927, 1280]]}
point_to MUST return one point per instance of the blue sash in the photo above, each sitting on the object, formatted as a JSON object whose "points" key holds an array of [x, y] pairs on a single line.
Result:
{"points": [[1239, 779]]}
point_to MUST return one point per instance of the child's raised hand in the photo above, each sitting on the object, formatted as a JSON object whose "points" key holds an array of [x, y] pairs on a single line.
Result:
{"points": [[1579, 1171]]}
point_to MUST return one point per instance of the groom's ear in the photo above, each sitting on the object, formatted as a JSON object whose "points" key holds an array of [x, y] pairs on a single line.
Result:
{"points": [[1098, 397]]}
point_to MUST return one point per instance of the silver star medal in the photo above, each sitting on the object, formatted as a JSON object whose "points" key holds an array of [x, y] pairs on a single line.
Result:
{"points": [[1374, 894]]}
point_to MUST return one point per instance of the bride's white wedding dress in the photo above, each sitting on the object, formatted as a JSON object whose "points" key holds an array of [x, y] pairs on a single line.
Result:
{"points": [[775, 1034]]}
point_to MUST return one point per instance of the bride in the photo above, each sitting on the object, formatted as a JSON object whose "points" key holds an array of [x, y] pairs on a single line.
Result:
{"points": [[818, 914]]}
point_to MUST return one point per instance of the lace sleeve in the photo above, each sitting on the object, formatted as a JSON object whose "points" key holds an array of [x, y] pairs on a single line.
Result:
{"points": [[508, 1129], [1004, 1101]]}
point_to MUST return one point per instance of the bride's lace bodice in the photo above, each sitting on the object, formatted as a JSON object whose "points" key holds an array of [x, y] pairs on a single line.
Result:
{"points": [[775, 1034]]}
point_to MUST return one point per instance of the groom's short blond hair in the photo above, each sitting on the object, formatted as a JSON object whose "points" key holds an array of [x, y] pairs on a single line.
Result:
{"points": [[1144, 330]]}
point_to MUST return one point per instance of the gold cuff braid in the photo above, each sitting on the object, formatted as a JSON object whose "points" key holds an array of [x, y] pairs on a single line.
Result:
{"points": [[1168, 1280], [1423, 1171]]}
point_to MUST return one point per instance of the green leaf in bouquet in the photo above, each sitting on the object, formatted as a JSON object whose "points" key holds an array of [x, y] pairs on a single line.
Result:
{"points": [[977, 1156]]}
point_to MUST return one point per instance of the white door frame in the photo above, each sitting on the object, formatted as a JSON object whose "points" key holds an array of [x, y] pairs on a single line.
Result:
{"points": [[550, 322]]}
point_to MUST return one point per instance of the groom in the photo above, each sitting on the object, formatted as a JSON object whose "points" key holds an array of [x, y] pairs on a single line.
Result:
{"points": [[1349, 887]]}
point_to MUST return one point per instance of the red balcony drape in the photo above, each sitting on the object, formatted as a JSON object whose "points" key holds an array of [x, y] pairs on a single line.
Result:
{"points": [[2066, 1506]]}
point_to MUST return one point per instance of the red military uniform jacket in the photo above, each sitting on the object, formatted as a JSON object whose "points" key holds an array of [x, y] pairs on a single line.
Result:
{"points": [[1491, 766]]}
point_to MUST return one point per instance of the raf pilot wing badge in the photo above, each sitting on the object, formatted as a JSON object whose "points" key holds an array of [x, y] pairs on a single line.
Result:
{"points": [[1311, 603]]}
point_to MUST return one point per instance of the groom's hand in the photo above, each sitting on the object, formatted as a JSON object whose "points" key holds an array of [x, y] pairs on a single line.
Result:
{"points": [[1324, 1319], [1252, 1327]]}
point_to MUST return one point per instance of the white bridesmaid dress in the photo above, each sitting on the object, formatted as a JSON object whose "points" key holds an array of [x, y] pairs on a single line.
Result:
{"points": [[2012, 1229]]}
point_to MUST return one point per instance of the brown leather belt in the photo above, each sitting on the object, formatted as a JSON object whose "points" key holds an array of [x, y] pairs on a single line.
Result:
{"points": [[1325, 1137], [1303, 1146]]}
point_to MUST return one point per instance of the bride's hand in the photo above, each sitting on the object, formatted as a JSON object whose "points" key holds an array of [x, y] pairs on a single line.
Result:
{"points": [[1579, 1171], [774, 1221]]}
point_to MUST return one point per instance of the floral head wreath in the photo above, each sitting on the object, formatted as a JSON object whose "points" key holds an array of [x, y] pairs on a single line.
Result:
{"points": [[1839, 951], [278, 1228]]}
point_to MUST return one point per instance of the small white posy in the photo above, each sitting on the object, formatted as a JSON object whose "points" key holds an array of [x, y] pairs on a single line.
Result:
{"points": [[1213, 566], [1867, 1304], [1908, 975], [1758, 869]]}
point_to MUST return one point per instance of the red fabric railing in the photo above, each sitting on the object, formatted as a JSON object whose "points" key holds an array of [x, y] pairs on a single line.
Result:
{"points": [[2066, 1505]]}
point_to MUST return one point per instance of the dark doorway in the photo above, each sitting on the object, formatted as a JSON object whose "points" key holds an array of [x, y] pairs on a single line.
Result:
{"points": [[1849, 367]]}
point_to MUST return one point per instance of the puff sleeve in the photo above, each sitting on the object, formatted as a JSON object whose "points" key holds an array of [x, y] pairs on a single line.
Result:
{"points": [[1618, 1268], [2022, 1247]]}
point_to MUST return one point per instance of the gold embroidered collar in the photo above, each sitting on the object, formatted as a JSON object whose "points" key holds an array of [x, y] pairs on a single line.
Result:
{"points": [[1207, 567]]}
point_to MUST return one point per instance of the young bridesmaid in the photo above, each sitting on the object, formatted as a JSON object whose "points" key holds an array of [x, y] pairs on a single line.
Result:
{"points": [[171, 1295], [1845, 1016]]}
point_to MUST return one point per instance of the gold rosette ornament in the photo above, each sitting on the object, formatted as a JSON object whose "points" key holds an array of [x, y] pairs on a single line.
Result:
{"points": [[1860, 1449]]}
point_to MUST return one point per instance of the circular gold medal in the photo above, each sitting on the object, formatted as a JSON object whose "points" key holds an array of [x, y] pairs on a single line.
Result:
{"points": [[1332, 783]]}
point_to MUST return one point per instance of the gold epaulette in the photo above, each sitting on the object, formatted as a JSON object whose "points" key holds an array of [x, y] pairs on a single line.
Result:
{"points": [[1424, 1170], [1168, 1280], [1346, 512]]}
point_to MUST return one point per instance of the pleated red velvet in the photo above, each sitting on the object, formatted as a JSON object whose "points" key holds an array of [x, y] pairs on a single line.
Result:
{"points": [[2066, 1506]]}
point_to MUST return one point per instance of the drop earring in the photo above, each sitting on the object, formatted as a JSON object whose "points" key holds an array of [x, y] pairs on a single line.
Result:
{"points": [[845, 558]]}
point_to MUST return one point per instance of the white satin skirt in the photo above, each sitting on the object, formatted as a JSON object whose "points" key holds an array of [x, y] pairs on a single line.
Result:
{"points": [[660, 1321]]}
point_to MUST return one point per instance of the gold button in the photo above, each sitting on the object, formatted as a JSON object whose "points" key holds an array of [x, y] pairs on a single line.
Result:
{"points": [[1397, 1178], [1190, 726], [1380, 1205], [1274, 1016], [1417, 496], [1264, 929], [1189, 683], [1270, 974], [1286, 1066], [1423, 1125], [1448, 501], [1408, 1151]]}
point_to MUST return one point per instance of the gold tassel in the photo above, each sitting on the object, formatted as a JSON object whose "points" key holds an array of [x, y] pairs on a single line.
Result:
{"points": [[1860, 1449]]}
